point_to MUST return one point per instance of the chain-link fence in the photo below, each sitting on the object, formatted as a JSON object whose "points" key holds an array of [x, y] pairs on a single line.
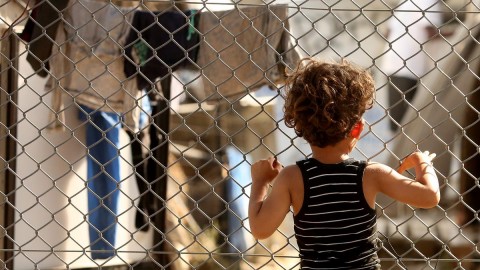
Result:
{"points": [[128, 127]]}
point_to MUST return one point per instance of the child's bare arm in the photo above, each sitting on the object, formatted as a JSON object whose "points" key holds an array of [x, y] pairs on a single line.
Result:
{"points": [[423, 191], [266, 213], [424, 172]]}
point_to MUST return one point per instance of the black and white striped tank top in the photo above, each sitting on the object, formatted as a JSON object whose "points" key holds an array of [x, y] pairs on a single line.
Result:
{"points": [[335, 228]]}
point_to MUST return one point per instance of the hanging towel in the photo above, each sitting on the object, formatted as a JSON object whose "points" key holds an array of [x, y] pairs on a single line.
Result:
{"points": [[243, 49], [159, 43]]}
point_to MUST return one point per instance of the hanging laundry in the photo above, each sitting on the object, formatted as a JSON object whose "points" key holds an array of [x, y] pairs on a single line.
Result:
{"points": [[30, 25], [87, 63], [140, 144], [103, 176], [239, 179], [159, 43], [243, 49], [40, 31], [149, 156], [97, 32]]}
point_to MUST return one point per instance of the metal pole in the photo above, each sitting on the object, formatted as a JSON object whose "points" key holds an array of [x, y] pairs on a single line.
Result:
{"points": [[8, 133]]}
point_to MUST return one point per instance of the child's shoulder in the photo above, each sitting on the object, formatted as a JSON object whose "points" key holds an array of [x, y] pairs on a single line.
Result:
{"points": [[291, 171], [289, 176]]}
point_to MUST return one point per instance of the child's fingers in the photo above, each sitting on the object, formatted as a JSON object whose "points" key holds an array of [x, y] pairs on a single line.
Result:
{"points": [[277, 165], [274, 164], [402, 167], [271, 160], [405, 164], [429, 155]]}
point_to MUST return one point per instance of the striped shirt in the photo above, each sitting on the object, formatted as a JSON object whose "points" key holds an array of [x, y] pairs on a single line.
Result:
{"points": [[335, 228]]}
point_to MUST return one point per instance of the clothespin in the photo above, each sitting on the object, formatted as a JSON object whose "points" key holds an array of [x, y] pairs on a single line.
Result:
{"points": [[191, 25]]}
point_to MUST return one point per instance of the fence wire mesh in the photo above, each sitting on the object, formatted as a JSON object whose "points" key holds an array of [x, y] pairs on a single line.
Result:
{"points": [[128, 127]]}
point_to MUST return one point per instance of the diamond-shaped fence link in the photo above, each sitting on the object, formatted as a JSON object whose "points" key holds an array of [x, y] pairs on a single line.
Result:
{"points": [[128, 127]]}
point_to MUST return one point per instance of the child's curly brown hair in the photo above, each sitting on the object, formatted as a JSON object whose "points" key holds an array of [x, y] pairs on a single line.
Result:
{"points": [[324, 101]]}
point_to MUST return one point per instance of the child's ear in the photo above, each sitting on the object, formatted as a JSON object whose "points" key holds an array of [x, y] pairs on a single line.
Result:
{"points": [[357, 130]]}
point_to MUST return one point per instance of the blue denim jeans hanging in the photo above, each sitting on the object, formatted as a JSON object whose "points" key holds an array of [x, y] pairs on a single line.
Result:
{"points": [[103, 175], [237, 197]]}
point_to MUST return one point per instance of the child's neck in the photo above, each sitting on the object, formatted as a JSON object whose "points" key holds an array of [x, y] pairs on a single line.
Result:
{"points": [[333, 154]]}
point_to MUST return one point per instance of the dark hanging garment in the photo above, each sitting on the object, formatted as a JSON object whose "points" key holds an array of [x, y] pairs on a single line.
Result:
{"points": [[158, 43], [149, 167], [30, 25], [44, 16]]}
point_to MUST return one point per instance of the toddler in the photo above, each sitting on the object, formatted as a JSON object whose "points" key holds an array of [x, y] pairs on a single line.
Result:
{"points": [[331, 194]]}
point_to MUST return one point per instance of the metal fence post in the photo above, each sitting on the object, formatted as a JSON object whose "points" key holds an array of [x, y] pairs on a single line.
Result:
{"points": [[8, 133]]}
